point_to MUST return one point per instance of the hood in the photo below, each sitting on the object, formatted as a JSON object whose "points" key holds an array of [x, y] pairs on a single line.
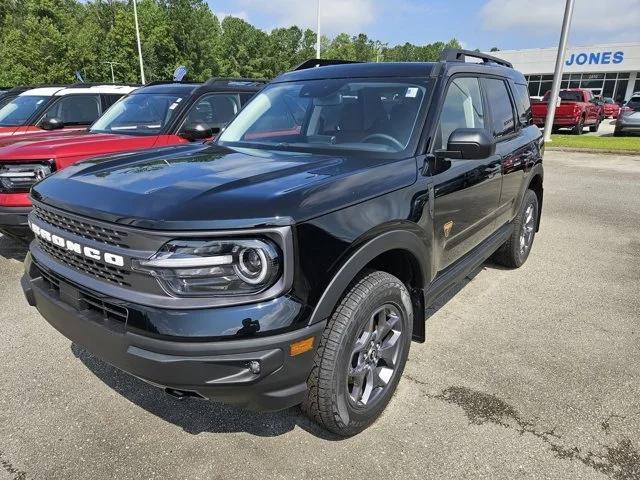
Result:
{"points": [[34, 136], [195, 187], [7, 131], [76, 144]]}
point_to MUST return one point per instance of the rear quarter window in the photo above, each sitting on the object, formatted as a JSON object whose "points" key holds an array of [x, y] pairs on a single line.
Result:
{"points": [[523, 105], [502, 119]]}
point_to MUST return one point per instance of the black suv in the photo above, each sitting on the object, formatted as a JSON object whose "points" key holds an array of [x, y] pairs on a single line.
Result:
{"points": [[291, 261]]}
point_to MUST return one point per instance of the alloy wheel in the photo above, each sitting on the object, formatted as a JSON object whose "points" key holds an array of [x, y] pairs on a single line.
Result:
{"points": [[374, 356], [528, 227]]}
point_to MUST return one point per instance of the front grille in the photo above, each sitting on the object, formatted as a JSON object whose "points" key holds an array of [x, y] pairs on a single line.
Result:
{"points": [[107, 310], [109, 236], [109, 273]]}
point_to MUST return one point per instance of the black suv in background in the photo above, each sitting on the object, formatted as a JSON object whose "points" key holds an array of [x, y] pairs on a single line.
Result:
{"points": [[292, 260]]}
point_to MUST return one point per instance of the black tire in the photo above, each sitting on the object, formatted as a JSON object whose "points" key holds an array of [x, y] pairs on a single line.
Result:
{"points": [[617, 132], [511, 253], [555, 129], [594, 128], [329, 400], [579, 128]]}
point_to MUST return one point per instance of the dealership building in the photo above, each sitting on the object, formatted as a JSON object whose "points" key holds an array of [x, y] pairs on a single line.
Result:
{"points": [[611, 70]]}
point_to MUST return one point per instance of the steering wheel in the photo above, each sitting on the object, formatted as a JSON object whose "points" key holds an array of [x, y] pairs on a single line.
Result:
{"points": [[383, 136]]}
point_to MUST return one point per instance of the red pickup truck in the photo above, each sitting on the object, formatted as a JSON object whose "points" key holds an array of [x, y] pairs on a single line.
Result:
{"points": [[576, 111], [158, 115]]}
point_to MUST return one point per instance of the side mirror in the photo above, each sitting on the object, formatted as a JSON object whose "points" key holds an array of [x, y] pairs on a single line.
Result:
{"points": [[52, 123], [469, 144], [198, 131]]}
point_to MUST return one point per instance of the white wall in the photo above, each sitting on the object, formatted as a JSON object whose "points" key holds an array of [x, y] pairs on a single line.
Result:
{"points": [[613, 57]]}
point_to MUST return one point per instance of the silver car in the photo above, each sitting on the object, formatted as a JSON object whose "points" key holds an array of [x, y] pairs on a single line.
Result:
{"points": [[629, 117]]}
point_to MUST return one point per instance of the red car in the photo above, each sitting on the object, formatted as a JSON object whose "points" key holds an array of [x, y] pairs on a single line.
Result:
{"points": [[157, 115], [611, 108], [75, 107], [577, 110]]}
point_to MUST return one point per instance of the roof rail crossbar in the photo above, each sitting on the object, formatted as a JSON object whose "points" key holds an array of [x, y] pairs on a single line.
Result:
{"points": [[321, 62], [459, 55]]}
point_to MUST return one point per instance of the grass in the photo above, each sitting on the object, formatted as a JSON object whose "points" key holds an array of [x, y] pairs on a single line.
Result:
{"points": [[627, 144]]}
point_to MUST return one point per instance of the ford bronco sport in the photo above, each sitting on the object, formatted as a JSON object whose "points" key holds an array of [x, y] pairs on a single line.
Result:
{"points": [[160, 114], [291, 261]]}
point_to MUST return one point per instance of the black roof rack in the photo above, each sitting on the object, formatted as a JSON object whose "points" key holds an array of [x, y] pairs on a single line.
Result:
{"points": [[321, 62], [458, 55], [226, 81]]}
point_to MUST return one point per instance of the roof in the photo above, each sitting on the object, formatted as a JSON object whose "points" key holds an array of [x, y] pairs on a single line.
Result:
{"points": [[211, 85], [360, 70], [76, 89]]}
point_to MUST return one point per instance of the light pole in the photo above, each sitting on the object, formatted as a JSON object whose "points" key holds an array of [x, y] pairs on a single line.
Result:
{"points": [[111, 64], [557, 75], [318, 31], [135, 19]]}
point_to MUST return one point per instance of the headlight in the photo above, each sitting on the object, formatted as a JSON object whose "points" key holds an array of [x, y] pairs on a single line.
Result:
{"points": [[20, 177], [196, 268]]}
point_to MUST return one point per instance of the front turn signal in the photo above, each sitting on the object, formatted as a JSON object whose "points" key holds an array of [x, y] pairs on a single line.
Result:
{"points": [[301, 346]]}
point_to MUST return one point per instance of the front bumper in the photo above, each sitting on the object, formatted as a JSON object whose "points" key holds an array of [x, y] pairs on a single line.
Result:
{"points": [[215, 370], [13, 222]]}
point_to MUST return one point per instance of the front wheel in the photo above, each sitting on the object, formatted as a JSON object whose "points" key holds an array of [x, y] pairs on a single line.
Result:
{"points": [[515, 251], [361, 355]]}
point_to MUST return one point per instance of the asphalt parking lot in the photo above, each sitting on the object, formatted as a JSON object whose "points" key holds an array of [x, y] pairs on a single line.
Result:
{"points": [[533, 373]]}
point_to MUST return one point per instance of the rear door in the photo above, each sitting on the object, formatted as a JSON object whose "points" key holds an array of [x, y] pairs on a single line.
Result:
{"points": [[466, 191], [512, 130]]}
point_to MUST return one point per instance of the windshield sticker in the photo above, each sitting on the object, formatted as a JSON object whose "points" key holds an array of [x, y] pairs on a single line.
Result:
{"points": [[412, 92], [173, 105]]}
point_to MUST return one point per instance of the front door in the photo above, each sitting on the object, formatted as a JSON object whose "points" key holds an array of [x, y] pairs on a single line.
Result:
{"points": [[466, 192]]}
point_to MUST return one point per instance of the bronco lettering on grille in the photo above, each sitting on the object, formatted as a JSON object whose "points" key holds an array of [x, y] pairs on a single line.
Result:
{"points": [[92, 253]]}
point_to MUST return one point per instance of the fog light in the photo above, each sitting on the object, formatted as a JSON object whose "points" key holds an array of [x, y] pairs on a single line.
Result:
{"points": [[301, 346], [254, 367]]}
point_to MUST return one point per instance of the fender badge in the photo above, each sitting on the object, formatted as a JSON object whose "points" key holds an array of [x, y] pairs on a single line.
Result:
{"points": [[447, 228]]}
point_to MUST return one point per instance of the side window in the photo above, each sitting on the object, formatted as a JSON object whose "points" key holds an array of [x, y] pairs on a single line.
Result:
{"points": [[215, 110], [502, 122], [109, 99], [523, 103], [462, 108], [75, 109]]}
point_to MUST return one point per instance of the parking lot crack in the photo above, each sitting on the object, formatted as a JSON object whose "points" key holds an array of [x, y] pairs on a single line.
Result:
{"points": [[16, 474], [620, 461]]}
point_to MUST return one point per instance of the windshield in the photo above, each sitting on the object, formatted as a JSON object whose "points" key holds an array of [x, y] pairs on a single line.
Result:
{"points": [[567, 96], [138, 114], [17, 111], [374, 115]]}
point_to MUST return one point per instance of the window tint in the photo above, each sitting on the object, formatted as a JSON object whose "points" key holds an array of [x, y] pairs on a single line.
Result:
{"points": [[524, 105], [109, 99], [462, 108], [503, 122], [215, 110], [75, 109]]}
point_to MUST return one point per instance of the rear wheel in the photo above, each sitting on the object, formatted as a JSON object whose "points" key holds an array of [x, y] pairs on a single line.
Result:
{"points": [[515, 250], [361, 355], [579, 128]]}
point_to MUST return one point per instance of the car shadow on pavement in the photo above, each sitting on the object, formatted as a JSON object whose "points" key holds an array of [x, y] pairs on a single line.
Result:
{"points": [[197, 416], [13, 249]]}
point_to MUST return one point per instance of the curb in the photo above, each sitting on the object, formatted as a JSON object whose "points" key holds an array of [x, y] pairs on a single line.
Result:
{"points": [[590, 150]]}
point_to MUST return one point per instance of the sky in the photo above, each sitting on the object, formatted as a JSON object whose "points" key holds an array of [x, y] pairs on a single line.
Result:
{"points": [[506, 24]]}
